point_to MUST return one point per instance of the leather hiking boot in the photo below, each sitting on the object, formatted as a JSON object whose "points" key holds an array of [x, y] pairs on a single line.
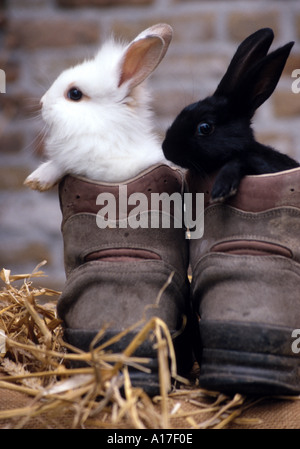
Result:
{"points": [[118, 258], [246, 286]]}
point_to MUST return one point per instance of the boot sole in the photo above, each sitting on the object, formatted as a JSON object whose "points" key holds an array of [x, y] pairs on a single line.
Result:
{"points": [[249, 359], [148, 381]]}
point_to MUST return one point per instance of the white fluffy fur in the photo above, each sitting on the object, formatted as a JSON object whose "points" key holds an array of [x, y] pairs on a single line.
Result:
{"points": [[107, 136]]}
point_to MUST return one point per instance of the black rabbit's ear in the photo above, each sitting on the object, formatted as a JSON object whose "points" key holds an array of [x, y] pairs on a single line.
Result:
{"points": [[258, 84], [251, 50]]}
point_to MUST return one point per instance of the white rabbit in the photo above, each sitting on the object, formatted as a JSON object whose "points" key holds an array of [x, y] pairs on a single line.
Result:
{"points": [[98, 117]]}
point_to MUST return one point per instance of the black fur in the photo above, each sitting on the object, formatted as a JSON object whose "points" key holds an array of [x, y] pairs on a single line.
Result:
{"points": [[228, 145]]}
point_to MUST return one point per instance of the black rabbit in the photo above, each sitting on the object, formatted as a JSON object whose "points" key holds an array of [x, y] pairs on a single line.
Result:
{"points": [[215, 135]]}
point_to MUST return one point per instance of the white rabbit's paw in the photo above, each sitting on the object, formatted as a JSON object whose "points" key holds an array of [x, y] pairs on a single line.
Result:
{"points": [[43, 178], [36, 184]]}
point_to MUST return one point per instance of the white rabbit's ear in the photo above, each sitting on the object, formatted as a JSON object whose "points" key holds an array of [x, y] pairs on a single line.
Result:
{"points": [[144, 54], [162, 30]]}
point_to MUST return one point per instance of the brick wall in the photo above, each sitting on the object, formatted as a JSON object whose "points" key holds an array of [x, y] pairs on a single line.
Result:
{"points": [[39, 38]]}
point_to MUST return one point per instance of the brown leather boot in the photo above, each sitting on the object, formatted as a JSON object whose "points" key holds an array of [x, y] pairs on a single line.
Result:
{"points": [[246, 286], [115, 271]]}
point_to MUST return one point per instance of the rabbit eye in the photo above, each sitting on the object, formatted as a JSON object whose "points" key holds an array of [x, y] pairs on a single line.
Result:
{"points": [[204, 129], [74, 94]]}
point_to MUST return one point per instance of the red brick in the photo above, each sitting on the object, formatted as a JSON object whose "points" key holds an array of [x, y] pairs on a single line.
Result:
{"points": [[188, 27], [286, 103], [241, 23], [12, 178], [31, 252], [194, 28], [128, 30], [33, 34], [18, 105], [11, 68], [11, 143], [297, 25], [86, 3], [281, 141], [192, 65], [292, 63], [169, 102]]}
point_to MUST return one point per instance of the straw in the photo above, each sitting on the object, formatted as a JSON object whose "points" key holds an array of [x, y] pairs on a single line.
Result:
{"points": [[35, 366]]}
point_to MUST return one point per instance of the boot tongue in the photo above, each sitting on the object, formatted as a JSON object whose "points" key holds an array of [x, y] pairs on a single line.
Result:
{"points": [[78, 195]]}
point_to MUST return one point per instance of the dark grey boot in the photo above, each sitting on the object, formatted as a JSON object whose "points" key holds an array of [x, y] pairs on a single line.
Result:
{"points": [[246, 286], [116, 274]]}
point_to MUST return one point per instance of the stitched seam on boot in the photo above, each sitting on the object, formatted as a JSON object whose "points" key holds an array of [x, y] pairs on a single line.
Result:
{"points": [[153, 265], [286, 263], [277, 211]]}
